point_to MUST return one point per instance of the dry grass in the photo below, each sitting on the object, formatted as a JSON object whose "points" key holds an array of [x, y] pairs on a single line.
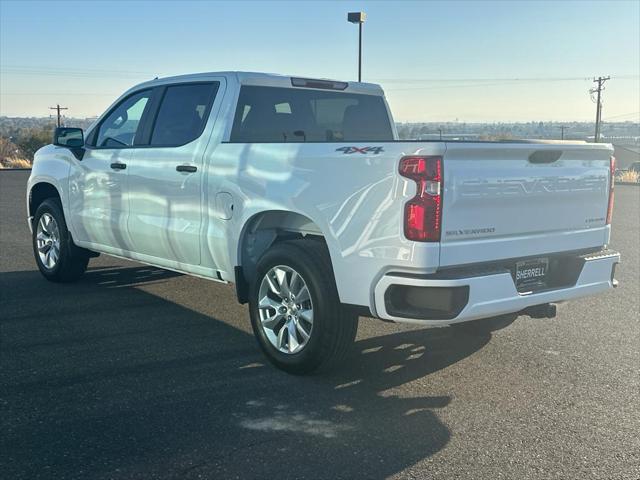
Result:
{"points": [[15, 163], [628, 176]]}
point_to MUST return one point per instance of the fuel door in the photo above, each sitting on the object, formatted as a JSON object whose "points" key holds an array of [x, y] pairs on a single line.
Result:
{"points": [[224, 205]]}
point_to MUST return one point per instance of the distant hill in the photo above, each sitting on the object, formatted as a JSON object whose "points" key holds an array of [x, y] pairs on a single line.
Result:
{"points": [[614, 132], [9, 125], [618, 132], [21, 137]]}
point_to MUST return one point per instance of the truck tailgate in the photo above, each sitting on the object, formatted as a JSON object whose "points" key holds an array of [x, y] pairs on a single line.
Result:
{"points": [[522, 199]]}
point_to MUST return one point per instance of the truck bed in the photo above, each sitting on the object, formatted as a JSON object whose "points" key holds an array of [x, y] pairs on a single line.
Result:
{"points": [[497, 204]]}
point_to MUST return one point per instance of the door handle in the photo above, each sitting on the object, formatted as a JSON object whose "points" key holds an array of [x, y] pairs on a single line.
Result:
{"points": [[186, 168], [118, 166]]}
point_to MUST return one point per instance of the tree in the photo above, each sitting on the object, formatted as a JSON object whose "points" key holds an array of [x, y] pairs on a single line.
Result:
{"points": [[8, 149], [30, 140]]}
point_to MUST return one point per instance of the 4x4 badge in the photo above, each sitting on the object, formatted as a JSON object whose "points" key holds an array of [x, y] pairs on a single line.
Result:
{"points": [[363, 150]]}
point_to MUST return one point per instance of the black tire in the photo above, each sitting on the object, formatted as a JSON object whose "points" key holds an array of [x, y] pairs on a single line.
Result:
{"points": [[72, 261], [334, 326]]}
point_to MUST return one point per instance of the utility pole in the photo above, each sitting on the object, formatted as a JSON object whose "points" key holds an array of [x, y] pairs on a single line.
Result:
{"points": [[57, 108], [440, 132], [562, 127], [598, 90]]}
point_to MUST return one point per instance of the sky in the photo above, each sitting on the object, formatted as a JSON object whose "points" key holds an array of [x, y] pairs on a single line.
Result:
{"points": [[471, 61]]}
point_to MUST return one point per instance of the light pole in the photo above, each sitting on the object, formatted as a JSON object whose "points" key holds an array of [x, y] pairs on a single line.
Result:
{"points": [[358, 17]]}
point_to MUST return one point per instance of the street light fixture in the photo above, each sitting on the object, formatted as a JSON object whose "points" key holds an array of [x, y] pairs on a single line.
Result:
{"points": [[358, 17]]}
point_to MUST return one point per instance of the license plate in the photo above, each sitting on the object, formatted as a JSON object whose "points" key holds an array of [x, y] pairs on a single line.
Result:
{"points": [[531, 274]]}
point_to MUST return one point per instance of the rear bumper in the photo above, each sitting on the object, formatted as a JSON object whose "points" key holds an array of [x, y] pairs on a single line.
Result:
{"points": [[487, 294]]}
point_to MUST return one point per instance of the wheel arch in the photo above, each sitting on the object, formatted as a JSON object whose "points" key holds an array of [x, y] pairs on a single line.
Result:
{"points": [[39, 192], [259, 233]]}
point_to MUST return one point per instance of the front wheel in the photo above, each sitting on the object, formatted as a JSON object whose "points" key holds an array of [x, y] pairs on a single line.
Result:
{"points": [[58, 259], [296, 314]]}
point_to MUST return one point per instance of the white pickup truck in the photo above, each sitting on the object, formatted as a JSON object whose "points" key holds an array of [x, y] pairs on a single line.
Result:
{"points": [[299, 192]]}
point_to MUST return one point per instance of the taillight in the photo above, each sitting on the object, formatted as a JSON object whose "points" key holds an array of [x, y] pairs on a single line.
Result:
{"points": [[612, 174], [423, 213]]}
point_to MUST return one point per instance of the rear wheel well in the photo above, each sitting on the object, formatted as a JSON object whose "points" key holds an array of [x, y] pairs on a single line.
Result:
{"points": [[260, 233], [39, 193]]}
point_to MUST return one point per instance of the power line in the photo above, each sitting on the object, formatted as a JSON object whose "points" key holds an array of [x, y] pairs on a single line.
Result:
{"points": [[483, 79], [487, 79], [598, 91], [86, 72], [76, 74], [67, 69], [623, 115], [72, 72], [497, 82], [484, 84]]}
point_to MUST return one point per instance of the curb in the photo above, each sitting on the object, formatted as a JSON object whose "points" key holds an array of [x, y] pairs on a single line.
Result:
{"points": [[633, 184]]}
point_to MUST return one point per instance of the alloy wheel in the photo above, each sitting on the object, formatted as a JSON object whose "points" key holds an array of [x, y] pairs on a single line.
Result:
{"points": [[48, 241], [286, 309]]}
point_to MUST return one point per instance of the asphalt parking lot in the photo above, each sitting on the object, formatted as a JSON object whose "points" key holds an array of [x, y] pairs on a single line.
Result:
{"points": [[136, 372]]}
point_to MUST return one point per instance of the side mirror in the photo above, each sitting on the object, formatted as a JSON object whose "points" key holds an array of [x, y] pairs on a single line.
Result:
{"points": [[71, 138], [68, 137]]}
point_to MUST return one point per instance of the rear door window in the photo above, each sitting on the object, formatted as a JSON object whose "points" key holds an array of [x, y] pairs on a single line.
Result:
{"points": [[272, 114], [183, 113]]}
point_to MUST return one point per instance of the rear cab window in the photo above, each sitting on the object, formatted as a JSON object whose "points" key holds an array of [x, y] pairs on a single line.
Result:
{"points": [[274, 114]]}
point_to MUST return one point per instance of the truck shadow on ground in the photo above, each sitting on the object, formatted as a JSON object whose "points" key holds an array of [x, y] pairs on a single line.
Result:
{"points": [[102, 379]]}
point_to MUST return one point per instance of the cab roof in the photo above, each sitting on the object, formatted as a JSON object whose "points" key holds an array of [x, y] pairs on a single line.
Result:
{"points": [[266, 79]]}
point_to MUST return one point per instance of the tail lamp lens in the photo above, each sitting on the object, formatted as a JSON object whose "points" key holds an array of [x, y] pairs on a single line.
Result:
{"points": [[423, 213], [612, 174]]}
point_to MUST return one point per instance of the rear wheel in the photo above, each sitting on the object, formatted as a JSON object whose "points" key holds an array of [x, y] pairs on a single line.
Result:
{"points": [[295, 311], [58, 259]]}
